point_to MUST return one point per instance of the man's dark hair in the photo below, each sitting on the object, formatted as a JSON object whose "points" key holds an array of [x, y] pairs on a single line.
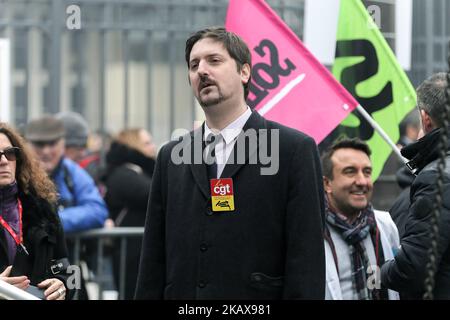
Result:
{"points": [[236, 47], [431, 97], [345, 143]]}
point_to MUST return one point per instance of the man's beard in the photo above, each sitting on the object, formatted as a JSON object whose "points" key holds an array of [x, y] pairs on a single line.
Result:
{"points": [[205, 103], [211, 102]]}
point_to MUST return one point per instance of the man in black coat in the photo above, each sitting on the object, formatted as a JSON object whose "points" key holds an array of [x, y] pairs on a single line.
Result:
{"points": [[254, 233], [406, 273]]}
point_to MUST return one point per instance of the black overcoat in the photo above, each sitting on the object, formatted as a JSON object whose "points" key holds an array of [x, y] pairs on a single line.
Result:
{"points": [[269, 247]]}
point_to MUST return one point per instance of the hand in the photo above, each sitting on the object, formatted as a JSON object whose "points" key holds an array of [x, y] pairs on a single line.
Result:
{"points": [[54, 289], [109, 223], [21, 282]]}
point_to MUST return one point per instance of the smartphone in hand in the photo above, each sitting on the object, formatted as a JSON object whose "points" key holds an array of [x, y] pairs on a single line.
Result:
{"points": [[35, 291]]}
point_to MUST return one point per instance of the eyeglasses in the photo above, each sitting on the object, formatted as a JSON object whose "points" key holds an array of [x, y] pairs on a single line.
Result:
{"points": [[11, 154]]}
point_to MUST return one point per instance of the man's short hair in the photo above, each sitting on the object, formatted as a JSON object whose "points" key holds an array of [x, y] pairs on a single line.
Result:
{"points": [[345, 143], [431, 97], [236, 47]]}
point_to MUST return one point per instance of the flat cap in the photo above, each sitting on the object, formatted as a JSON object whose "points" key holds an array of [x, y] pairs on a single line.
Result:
{"points": [[46, 128]]}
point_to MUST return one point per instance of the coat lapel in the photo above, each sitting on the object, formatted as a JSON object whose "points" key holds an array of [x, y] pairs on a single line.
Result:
{"points": [[333, 286], [255, 122], [388, 247]]}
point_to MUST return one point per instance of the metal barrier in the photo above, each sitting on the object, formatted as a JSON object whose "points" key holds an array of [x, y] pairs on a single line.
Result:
{"points": [[101, 235], [9, 292]]}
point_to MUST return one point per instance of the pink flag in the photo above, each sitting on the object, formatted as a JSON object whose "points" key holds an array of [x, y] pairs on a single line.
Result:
{"points": [[288, 84]]}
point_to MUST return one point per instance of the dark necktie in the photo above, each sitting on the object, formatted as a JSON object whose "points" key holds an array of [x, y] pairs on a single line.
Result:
{"points": [[210, 154]]}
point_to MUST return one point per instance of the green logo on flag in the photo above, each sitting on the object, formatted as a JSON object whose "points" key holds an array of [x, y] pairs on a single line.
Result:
{"points": [[368, 69]]}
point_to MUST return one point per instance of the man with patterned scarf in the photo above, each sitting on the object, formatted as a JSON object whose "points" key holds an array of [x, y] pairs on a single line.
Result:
{"points": [[358, 239]]}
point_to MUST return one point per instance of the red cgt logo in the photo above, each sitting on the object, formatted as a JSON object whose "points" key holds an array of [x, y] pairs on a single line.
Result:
{"points": [[221, 187]]}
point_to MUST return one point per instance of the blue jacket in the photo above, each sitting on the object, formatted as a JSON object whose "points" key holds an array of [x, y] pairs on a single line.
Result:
{"points": [[81, 206]]}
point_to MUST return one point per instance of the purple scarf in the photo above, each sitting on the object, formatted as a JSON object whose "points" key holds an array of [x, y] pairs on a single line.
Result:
{"points": [[10, 213]]}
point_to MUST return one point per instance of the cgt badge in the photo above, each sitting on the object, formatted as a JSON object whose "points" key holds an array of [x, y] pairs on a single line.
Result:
{"points": [[222, 197]]}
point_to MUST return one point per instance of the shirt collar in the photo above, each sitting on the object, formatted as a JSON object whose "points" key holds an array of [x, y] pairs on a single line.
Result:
{"points": [[230, 132]]}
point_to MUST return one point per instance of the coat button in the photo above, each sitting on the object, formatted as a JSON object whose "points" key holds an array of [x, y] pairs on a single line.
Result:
{"points": [[202, 284], [203, 247]]}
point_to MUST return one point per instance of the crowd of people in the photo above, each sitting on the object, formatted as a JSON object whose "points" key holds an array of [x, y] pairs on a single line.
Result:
{"points": [[71, 189], [220, 228]]}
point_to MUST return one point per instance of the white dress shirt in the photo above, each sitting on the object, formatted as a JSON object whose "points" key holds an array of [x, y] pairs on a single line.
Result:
{"points": [[229, 133]]}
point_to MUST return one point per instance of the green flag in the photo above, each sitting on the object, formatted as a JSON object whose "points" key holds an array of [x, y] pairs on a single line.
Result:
{"points": [[368, 69]]}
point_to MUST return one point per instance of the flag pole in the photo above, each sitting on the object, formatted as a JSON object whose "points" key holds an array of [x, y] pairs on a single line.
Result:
{"points": [[380, 130]]}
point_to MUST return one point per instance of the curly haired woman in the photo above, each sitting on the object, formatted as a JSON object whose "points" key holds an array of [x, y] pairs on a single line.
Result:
{"points": [[33, 254]]}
